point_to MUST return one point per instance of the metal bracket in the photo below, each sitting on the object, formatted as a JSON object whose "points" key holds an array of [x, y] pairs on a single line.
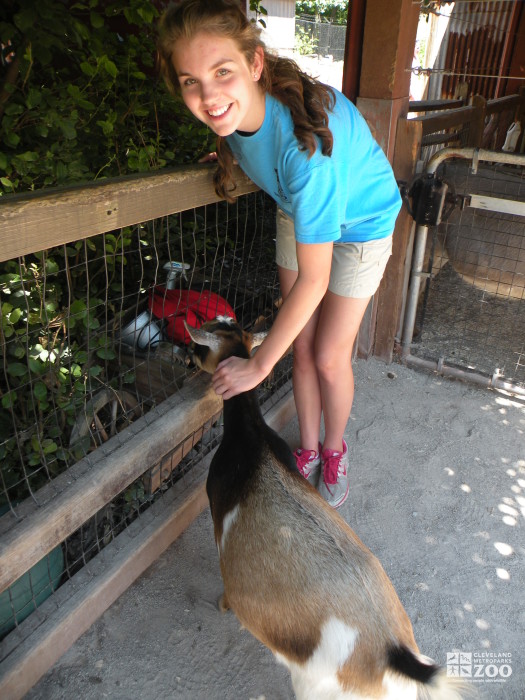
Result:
{"points": [[475, 162]]}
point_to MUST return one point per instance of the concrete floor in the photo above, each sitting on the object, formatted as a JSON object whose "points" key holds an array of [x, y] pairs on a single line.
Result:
{"points": [[437, 493]]}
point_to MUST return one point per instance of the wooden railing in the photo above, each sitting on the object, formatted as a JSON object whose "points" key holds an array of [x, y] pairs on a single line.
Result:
{"points": [[453, 118]]}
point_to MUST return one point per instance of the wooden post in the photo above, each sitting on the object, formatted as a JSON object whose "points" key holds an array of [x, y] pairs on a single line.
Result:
{"points": [[390, 297], [388, 49], [477, 124], [521, 118]]}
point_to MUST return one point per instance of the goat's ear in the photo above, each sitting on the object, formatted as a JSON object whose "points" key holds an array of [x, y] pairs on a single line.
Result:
{"points": [[200, 337], [257, 338]]}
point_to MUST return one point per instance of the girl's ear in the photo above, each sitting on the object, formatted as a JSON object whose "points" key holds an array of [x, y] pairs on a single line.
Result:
{"points": [[258, 63]]}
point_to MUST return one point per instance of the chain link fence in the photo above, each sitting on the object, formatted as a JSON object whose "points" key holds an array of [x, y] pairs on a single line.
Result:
{"points": [[321, 38]]}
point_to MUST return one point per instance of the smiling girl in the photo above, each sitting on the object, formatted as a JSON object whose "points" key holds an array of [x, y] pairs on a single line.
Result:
{"points": [[308, 147]]}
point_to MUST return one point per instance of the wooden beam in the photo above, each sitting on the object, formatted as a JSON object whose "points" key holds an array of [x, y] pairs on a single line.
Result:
{"points": [[433, 105], [161, 472], [503, 103], [77, 604], [445, 120], [41, 220]]}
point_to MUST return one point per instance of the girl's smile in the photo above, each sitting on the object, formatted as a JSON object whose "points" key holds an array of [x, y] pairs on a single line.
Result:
{"points": [[218, 85]]}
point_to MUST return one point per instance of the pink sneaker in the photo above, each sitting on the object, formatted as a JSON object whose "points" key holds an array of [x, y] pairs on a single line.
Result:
{"points": [[334, 486], [309, 464]]}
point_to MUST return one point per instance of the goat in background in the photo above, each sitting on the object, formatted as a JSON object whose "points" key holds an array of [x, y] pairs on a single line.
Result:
{"points": [[294, 572]]}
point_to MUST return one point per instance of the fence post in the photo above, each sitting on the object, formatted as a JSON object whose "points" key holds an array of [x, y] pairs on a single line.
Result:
{"points": [[521, 118], [390, 301], [477, 124]]}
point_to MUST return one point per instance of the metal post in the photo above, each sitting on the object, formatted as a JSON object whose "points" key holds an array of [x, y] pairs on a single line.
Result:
{"points": [[413, 292]]}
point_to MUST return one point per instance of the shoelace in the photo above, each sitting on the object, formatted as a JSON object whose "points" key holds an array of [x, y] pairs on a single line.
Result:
{"points": [[303, 458], [331, 467]]}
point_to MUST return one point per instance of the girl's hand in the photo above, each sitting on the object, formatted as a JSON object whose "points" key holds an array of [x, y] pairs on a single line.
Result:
{"points": [[208, 158], [236, 375], [212, 158]]}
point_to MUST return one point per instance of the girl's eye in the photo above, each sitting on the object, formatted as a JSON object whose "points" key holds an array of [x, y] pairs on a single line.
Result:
{"points": [[223, 71], [189, 81]]}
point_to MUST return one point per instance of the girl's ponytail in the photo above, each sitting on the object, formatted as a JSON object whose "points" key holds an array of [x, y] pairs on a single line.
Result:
{"points": [[223, 176]]}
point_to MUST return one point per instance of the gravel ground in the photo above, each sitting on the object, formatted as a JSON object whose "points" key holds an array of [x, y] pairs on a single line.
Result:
{"points": [[437, 493]]}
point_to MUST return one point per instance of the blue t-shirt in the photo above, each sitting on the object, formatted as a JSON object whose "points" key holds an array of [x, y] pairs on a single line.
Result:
{"points": [[351, 195]]}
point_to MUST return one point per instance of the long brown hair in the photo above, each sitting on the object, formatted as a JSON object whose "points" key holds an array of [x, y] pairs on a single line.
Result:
{"points": [[308, 100]]}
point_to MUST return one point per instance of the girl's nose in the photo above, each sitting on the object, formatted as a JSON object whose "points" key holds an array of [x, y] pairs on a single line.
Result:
{"points": [[208, 93]]}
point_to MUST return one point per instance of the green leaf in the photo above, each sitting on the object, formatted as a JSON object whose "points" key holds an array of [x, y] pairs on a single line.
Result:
{"points": [[51, 266], [13, 108], [88, 69], [15, 316], [34, 365], [42, 131], [6, 182], [106, 126], [96, 20], [49, 446], [110, 67], [16, 369], [68, 129], [34, 98], [78, 308], [106, 354], [29, 156], [40, 391], [76, 370], [8, 400]]}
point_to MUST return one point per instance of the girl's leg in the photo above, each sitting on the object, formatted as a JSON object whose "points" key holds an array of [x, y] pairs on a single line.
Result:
{"points": [[307, 392], [337, 329]]}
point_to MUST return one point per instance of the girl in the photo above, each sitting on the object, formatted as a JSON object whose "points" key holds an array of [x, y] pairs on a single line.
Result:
{"points": [[308, 147]]}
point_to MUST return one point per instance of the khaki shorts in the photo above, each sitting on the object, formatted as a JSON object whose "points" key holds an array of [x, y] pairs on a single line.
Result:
{"points": [[357, 268]]}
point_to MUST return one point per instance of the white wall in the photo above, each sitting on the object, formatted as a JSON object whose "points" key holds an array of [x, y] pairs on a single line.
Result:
{"points": [[280, 24]]}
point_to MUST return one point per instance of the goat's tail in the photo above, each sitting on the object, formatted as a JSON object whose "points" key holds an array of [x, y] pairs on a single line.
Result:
{"points": [[434, 683]]}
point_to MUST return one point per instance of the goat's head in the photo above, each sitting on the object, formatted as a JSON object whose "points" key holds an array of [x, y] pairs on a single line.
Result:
{"points": [[218, 339]]}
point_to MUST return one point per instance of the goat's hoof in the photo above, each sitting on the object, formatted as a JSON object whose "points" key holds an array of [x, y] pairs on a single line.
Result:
{"points": [[223, 603]]}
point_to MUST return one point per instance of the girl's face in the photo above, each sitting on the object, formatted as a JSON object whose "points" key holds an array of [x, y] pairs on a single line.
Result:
{"points": [[218, 85]]}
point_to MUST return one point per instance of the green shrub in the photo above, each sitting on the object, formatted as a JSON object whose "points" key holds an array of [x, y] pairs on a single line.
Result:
{"points": [[80, 98]]}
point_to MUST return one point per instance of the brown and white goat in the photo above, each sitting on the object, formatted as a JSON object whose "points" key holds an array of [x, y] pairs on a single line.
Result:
{"points": [[295, 574]]}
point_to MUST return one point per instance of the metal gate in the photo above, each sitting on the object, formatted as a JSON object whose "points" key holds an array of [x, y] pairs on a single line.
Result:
{"points": [[465, 309]]}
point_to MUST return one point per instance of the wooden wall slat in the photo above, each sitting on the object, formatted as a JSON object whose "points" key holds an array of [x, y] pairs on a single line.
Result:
{"points": [[445, 120], [37, 221]]}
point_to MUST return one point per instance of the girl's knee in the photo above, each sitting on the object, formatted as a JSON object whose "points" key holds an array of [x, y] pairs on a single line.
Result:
{"points": [[333, 366], [303, 354]]}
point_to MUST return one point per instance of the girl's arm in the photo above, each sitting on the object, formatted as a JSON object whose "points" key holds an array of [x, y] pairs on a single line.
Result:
{"points": [[236, 375]]}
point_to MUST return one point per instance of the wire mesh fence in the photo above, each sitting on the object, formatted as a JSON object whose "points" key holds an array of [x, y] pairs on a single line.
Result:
{"points": [[323, 38], [89, 349], [471, 312]]}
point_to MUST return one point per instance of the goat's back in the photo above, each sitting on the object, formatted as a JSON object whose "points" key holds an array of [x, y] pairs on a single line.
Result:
{"points": [[291, 564]]}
